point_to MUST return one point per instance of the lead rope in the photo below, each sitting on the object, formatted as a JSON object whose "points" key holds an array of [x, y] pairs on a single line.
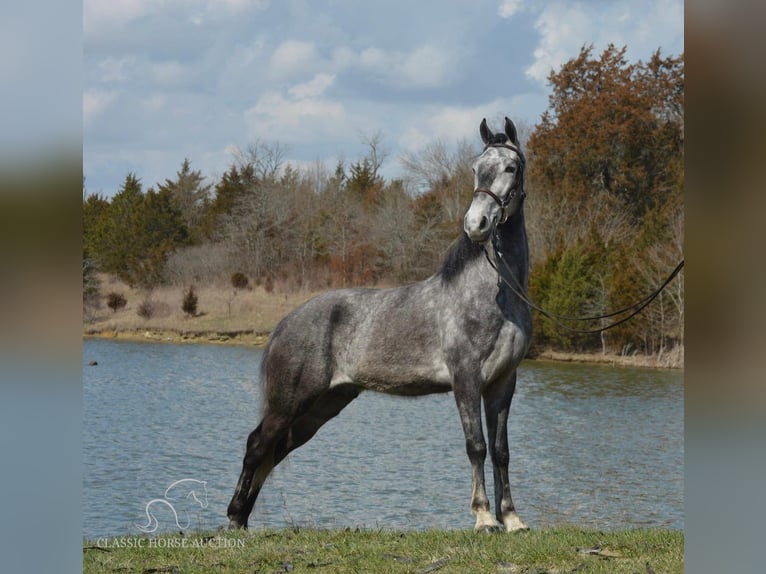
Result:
{"points": [[637, 307]]}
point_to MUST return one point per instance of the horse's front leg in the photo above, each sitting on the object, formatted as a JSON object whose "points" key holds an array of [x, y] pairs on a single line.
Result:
{"points": [[469, 407], [497, 403]]}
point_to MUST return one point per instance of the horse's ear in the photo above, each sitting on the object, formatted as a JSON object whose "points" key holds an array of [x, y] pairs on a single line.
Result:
{"points": [[510, 131], [486, 134]]}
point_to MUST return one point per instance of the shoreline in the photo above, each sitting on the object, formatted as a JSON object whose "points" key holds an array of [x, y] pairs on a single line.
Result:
{"points": [[258, 339]]}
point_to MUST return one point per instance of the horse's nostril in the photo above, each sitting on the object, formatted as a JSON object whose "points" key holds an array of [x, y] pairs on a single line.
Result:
{"points": [[483, 223]]}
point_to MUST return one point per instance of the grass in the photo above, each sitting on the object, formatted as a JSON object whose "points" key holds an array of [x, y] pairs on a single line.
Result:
{"points": [[221, 309], [551, 550]]}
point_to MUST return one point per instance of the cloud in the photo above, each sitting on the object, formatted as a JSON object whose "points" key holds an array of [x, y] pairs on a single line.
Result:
{"points": [[169, 73], [292, 119], [115, 70], [641, 25], [563, 29], [292, 57], [95, 102], [187, 77], [452, 123], [508, 8], [426, 66], [115, 14], [313, 88], [97, 13]]}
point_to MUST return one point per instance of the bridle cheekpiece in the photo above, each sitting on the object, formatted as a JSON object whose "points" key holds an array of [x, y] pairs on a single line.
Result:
{"points": [[517, 186]]}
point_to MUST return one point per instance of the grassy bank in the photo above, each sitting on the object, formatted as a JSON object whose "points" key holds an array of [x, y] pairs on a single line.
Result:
{"points": [[221, 309], [246, 316], [551, 550]]}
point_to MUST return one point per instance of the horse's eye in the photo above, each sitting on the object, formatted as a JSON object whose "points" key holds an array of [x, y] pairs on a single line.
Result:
{"points": [[510, 169]]}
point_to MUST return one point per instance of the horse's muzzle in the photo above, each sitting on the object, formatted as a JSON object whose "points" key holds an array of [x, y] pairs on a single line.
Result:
{"points": [[477, 227]]}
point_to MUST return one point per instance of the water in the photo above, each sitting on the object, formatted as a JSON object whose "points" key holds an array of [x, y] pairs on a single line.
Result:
{"points": [[593, 446]]}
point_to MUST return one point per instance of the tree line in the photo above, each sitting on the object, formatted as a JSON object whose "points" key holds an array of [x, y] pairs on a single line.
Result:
{"points": [[604, 210]]}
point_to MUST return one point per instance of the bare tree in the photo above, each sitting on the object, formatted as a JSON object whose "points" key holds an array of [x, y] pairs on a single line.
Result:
{"points": [[376, 153], [266, 157]]}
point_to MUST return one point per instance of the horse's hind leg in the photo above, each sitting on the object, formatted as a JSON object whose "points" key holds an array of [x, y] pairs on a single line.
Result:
{"points": [[258, 462], [273, 440], [306, 426]]}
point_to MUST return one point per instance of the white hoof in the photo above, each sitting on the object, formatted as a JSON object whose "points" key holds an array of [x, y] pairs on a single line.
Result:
{"points": [[513, 523], [485, 522]]}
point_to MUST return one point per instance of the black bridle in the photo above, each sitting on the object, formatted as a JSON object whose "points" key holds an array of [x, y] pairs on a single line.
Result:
{"points": [[516, 189]]}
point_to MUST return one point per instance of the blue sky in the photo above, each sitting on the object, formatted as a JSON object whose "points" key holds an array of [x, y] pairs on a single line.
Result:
{"points": [[169, 79]]}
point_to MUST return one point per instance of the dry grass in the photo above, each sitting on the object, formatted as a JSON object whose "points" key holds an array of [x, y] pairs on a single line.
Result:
{"points": [[673, 359], [221, 309]]}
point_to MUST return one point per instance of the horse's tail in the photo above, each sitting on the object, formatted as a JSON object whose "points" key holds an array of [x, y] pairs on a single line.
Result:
{"points": [[267, 371]]}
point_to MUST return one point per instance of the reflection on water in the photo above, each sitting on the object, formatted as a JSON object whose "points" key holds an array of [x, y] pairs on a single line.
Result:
{"points": [[590, 445]]}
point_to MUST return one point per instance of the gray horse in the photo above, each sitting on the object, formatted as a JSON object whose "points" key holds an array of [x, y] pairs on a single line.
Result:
{"points": [[460, 330]]}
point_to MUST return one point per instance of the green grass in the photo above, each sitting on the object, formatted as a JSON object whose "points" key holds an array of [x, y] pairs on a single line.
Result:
{"points": [[552, 550]]}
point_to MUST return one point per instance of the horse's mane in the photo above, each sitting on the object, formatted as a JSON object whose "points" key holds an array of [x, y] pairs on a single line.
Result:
{"points": [[461, 252]]}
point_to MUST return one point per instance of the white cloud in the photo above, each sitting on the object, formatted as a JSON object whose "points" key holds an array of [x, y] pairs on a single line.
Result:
{"points": [[641, 25], [450, 123], [153, 103], [425, 66], [95, 102], [313, 88], [292, 57], [115, 70], [563, 29], [168, 73], [454, 123], [508, 8], [274, 115], [179, 75], [98, 14]]}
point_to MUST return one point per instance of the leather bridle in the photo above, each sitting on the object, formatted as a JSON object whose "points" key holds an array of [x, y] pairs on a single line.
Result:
{"points": [[512, 193]]}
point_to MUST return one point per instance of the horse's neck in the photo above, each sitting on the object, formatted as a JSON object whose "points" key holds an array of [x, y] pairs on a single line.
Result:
{"points": [[510, 251]]}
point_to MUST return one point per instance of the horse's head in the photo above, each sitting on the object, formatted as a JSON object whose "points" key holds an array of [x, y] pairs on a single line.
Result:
{"points": [[498, 182]]}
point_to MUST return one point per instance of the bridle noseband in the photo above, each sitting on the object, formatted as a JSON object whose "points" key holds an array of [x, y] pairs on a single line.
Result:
{"points": [[503, 203]]}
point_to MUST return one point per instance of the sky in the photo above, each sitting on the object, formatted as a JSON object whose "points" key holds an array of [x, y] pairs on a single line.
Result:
{"points": [[165, 80]]}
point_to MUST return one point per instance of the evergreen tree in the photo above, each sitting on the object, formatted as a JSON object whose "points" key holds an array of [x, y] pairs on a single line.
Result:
{"points": [[191, 197], [131, 236]]}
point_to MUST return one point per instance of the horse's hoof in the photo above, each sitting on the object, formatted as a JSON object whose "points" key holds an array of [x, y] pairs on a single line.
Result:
{"points": [[514, 524], [487, 529], [235, 524]]}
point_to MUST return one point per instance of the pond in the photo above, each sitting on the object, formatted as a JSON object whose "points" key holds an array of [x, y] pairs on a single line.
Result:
{"points": [[590, 445]]}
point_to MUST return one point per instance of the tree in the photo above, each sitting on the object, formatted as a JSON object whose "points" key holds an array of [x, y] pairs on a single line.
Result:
{"points": [[605, 179], [131, 236], [191, 197], [189, 303], [607, 129]]}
